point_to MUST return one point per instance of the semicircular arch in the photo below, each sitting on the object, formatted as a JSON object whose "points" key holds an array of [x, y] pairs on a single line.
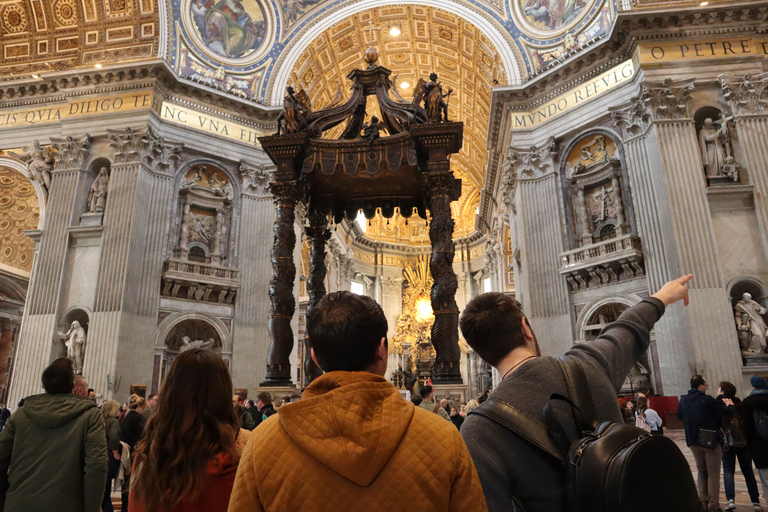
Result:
{"points": [[174, 319], [503, 46]]}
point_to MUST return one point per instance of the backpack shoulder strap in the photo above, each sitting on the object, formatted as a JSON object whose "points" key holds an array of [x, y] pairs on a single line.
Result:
{"points": [[578, 389], [521, 424], [437, 408]]}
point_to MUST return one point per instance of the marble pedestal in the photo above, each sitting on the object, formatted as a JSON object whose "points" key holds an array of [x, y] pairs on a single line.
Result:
{"points": [[91, 219]]}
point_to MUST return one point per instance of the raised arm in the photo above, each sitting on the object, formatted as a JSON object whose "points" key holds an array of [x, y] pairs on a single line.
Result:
{"points": [[622, 343]]}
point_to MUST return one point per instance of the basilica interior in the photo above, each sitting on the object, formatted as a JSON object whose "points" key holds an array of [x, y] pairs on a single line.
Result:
{"points": [[179, 173]]}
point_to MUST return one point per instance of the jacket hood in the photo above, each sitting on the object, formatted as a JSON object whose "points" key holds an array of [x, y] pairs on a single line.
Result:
{"points": [[351, 422], [53, 411]]}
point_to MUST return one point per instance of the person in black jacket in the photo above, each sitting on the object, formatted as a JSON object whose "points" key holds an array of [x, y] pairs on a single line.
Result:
{"points": [[730, 454], [758, 447], [699, 413], [131, 430], [265, 408]]}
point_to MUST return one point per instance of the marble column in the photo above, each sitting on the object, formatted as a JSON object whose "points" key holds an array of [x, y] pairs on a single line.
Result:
{"points": [[121, 337], [535, 211], [38, 342], [250, 342]]}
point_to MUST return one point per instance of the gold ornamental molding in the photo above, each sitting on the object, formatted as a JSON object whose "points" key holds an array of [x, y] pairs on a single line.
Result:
{"points": [[715, 48], [78, 108], [585, 92]]}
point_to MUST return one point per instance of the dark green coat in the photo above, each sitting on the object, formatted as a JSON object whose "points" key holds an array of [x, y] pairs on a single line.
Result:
{"points": [[53, 456]]}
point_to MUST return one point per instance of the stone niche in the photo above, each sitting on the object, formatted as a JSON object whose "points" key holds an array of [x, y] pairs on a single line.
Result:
{"points": [[200, 268], [606, 249]]}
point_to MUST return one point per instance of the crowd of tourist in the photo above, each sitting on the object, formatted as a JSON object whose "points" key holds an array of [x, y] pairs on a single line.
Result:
{"points": [[351, 442]]}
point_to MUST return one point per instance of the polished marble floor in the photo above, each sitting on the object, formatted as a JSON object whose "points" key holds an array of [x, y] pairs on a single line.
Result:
{"points": [[742, 498]]}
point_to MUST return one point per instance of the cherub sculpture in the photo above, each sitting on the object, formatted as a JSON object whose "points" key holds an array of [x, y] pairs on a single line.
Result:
{"points": [[371, 132], [296, 109]]}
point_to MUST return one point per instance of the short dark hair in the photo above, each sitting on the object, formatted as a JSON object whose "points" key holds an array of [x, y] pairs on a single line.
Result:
{"points": [[728, 389], [416, 400], [91, 389], [344, 329], [696, 381], [492, 325], [425, 391], [59, 376], [265, 398]]}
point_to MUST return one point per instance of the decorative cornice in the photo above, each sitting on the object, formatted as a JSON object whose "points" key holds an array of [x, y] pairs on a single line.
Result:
{"points": [[57, 86]]}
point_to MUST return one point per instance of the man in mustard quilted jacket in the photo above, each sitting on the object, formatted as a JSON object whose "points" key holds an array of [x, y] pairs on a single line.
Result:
{"points": [[352, 442]]}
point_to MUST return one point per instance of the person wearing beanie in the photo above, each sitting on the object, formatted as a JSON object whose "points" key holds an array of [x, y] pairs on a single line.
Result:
{"points": [[753, 405]]}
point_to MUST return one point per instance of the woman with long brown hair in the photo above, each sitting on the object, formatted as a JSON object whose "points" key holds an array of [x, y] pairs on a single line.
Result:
{"points": [[187, 459]]}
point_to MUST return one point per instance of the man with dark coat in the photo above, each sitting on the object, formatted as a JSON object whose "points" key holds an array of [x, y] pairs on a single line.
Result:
{"points": [[246, 420], [699, 412], [264, 406], [758, 447], [53, 449]]}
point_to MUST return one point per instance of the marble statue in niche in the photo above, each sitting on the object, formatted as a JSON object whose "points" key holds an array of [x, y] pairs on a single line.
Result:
{"points": [[97, 195], [750, 325], [731, 169], [74, 341], [712, 150], [39, 162]]}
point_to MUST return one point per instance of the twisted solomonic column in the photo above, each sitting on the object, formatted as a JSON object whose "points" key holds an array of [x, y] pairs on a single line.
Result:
{"points": [[318, 234], [440, 187], [281, 286]]}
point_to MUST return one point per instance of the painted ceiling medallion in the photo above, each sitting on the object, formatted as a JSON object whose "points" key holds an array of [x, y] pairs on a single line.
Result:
{"points": [[549, 18], [231, 32]]}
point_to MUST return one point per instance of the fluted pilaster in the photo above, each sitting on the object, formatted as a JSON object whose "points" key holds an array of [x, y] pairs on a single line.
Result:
{"points": [[37, 338], [129, 273], [530, 177]]}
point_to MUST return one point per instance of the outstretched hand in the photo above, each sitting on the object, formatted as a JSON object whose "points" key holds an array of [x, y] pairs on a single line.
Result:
{"points": [[674, 290]]}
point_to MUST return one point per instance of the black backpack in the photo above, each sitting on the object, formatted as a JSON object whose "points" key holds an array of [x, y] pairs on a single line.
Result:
{"points": [[613, 464], [733, 433]]}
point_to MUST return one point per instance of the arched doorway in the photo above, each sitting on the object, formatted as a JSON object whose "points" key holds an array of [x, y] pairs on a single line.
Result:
{"points": [[197, 331], [603, 312]]}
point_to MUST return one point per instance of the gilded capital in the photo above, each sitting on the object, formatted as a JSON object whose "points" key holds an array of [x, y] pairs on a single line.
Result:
{"points": [[71, 151], [530, 163], [670, 99], [748, 94]]}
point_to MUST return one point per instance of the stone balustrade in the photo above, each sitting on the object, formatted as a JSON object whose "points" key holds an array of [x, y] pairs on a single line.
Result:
{"points": [[603, 262], [202, 282]]}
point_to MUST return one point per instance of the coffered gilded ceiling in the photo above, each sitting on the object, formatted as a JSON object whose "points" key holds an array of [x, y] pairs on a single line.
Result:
{"points": [[19, 211], [46, 35], [430, 40]]}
